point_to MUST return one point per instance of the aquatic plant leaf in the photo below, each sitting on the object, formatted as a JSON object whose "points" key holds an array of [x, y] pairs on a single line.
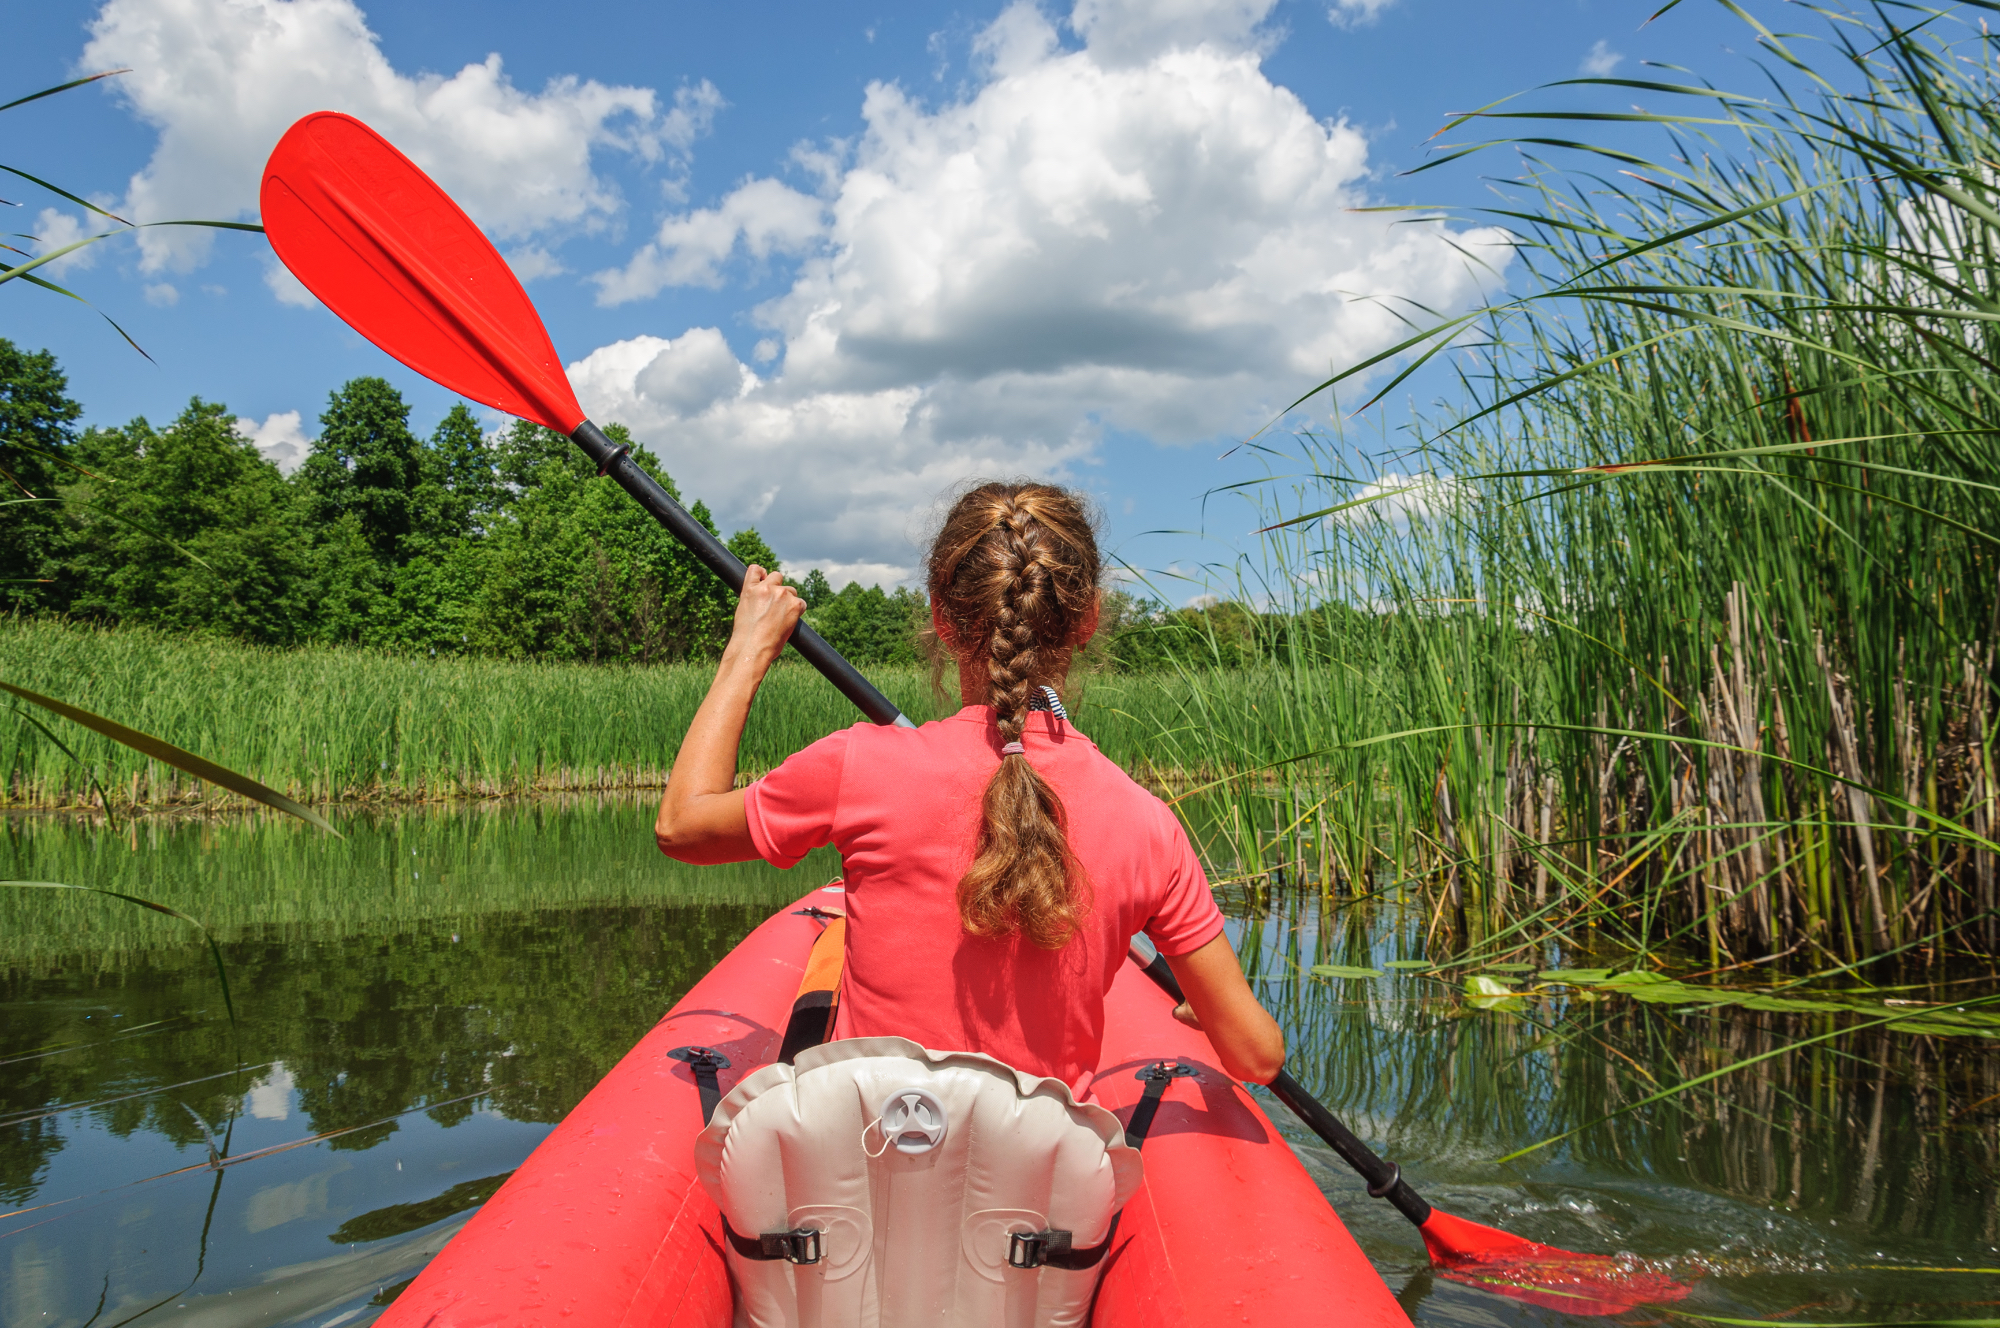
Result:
{"points": [[178, 757], [1492, 994], [1408, 963], [1510, 968], [1938, 1021], [1582, 977], [1344, 971]]}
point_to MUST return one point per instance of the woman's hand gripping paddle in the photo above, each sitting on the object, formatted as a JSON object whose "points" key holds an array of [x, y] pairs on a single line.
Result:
{"points": [[389, 252], [1463, 1251]]}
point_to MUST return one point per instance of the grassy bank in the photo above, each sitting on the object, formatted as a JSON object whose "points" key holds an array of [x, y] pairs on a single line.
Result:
{"points": [[339, 724]]}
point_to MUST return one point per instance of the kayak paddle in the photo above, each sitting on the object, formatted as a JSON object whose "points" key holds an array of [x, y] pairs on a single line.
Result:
{"points": [[1464, 1251], [390, 253]]}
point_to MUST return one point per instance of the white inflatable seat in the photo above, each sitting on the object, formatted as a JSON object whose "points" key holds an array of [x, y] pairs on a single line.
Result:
{"points": [[875, 1184]]}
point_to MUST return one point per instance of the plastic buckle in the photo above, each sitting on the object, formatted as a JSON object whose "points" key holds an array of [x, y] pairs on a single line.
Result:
{"points": [[799, 1245], [1032, 1249]]}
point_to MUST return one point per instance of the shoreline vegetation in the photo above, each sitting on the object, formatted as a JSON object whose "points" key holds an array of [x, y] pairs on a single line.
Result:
{"points": [[1678, 621], [353, 726]]}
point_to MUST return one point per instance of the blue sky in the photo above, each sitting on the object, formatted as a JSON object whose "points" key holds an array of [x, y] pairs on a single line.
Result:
{"points": [[827, 259]]}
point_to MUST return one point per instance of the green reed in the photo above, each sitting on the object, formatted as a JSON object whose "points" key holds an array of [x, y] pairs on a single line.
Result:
{"points": [[335, 724], [1683, 627]]}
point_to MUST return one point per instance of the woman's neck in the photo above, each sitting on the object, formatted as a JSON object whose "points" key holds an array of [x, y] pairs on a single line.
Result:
{"points": [[973, 685]]}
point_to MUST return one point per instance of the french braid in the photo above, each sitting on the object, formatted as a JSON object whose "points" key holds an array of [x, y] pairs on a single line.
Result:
{"points": [[1013, 574]]}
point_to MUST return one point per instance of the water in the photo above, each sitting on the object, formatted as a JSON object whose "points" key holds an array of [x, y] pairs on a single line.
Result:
{"points": [[418, 1005]]}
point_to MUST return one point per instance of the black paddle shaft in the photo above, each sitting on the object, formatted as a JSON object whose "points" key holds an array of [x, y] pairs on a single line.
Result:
{"points": [[1385, 1179], [617, 462]]}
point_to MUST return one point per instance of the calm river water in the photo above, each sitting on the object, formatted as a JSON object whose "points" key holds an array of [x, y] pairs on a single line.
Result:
{"points": [[417, 1005]]}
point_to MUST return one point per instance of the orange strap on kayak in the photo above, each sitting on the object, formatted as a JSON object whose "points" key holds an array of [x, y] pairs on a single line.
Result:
{"points": [[819, 992]]}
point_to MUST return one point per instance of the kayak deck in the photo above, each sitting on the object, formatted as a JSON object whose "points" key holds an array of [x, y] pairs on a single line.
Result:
{"points": [[605, 1223]]}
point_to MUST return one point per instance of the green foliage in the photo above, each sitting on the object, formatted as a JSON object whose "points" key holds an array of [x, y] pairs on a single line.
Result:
{"points": [[510, 547], [37, 427], [344, 722], [1143, 635], [156, 501], [366, 464], [1684, 628], [870, 626]]}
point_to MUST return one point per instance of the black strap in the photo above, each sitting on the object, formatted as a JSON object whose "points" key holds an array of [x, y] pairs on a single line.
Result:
{"points": [[1157, 1076], [1052, 1249], [799, 1245], [704, 1061], [812, 1017]]}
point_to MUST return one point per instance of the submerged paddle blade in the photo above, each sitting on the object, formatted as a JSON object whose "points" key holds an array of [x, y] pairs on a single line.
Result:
{"points": [[1537, 1274], [389, 252]]}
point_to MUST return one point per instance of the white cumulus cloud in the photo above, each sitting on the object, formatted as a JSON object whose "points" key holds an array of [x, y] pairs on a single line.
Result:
{"points": [[281, 438], [761, 218], [1125, 31], [1144, 235], [55, 228], [1398, 499], [1599, 61], [1356, 13], [221, 80]]}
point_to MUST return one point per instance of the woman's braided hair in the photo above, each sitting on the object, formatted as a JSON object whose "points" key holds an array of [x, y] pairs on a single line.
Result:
{"points": [[1013, 577]]}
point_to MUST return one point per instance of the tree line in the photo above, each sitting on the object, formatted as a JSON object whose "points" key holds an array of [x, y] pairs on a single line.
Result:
{"points": [[506, 545]]}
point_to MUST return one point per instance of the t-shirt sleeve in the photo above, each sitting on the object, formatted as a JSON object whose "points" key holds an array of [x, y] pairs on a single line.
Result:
{"points": [[791, 810], [1186, 917]]}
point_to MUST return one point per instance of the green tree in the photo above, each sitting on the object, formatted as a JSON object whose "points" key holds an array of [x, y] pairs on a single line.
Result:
{"points": [[814, 590], [366, 464], [189, 529], [37, 430], [870, 626], [460, 490], [576, 570]]}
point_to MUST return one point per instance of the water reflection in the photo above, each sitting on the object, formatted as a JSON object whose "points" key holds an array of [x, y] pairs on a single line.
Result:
{"points": [[418, 1005], [388, 1066], [1852, 1176]]}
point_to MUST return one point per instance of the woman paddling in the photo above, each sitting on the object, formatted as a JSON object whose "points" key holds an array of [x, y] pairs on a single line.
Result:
{"points": [[997, 864]]}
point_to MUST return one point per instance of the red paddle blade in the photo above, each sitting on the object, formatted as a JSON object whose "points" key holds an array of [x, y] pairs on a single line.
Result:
{"points": [[389, 252], [1542, 1275]]}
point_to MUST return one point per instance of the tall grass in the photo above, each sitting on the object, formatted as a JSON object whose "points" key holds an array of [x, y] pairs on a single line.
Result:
{"points": [[1680, 622], [337, 724]]}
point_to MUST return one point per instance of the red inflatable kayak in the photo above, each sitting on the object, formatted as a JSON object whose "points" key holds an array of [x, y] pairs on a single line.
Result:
{"points": [[605, 1224]]}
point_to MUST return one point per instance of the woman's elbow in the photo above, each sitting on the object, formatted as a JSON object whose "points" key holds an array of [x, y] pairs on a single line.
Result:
{"points": [[1263, 1069], [1259, 1058], [671, 837]]}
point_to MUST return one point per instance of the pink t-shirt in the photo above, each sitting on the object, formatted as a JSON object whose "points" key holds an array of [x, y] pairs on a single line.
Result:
{"points": [[902, 805]]}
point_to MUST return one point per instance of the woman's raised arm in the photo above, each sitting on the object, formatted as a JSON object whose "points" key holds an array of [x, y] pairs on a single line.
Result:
{"points": [[701, 814]]}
